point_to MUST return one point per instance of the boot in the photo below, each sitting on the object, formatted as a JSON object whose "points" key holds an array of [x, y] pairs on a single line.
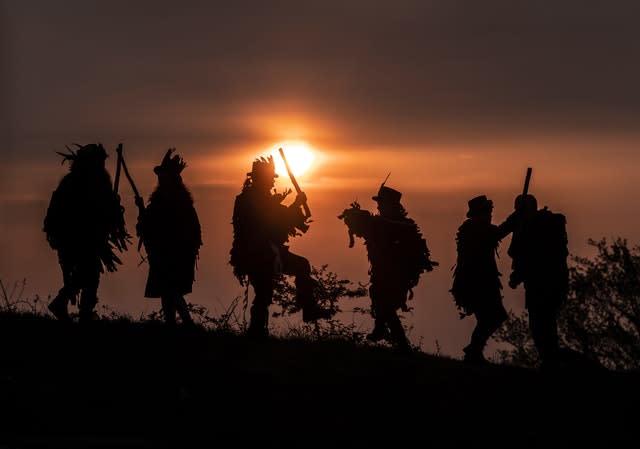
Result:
{"points": [[258, 327], [403, 346], [474, 355], [183, 312], [379, 332], [397, 335], [88, 301], [169, 310], [58, 307], [88, 315]]}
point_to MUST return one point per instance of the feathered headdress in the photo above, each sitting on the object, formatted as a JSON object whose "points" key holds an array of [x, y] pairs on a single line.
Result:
{"points": [[263, 166], [90, 152], [170, 165]]}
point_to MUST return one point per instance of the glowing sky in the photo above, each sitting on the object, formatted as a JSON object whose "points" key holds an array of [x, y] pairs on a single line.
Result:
{"points": [[454, 99]]}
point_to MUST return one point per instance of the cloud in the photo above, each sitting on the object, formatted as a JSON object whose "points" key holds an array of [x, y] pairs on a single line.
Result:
{"points": [[385, 72]]}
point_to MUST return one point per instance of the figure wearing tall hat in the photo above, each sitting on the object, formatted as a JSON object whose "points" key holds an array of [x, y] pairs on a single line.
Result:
{"points": [[398, 255], [262, 227], [170, 230], [85, 224], [477, 289]]}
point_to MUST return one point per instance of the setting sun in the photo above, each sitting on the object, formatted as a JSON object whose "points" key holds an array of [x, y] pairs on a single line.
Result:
{"points": [[299, 156]]}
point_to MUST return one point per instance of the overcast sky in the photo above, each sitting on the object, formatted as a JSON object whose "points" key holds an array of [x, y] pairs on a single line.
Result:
{"points": [[384, 73]]}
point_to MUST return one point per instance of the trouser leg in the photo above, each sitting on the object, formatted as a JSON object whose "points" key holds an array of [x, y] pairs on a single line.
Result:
{"points": [[396, 330], [183, 311], [386, 299], [89, 280], [380, 330], [544, 331], [263, 289], [169, 309], [300, 268], [489, 318], [59, 305]]}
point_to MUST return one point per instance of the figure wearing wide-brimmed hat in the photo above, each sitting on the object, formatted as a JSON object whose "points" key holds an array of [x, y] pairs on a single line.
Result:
{"points": [[170, 231], [477, 289], [262, 226], [398, 255], [85, 224]]}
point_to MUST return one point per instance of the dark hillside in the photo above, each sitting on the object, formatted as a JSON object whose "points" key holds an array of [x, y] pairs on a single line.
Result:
{"points": [[121, 384]]}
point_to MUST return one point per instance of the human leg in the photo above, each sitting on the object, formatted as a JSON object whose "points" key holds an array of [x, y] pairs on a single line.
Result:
{"points": [[490, 314], [259, 313], [169, 309], [380, 330], [387, 298], [544, 327], [299, 267], [183, 311], [89, 279], [59, 305]]}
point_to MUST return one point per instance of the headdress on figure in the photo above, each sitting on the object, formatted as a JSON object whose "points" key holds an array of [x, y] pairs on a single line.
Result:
{"points": [[90, 154], [171, 164], [263, 167]]}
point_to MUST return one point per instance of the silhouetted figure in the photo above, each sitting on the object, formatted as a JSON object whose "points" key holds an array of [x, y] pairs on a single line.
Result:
{"points": [[477, 289], [398, 255], [85, 224], [261, 228], [171, 234], [539, 261]]}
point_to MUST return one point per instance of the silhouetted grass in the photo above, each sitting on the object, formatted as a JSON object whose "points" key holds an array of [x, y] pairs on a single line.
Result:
{"points": [[122, 383]]}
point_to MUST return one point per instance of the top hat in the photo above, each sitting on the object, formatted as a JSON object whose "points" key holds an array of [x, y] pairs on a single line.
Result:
{"points": [[478, 205], [387, 195]]}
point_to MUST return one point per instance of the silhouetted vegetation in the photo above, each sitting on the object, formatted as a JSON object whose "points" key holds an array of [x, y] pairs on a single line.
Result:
{"points": [[601, 317]]}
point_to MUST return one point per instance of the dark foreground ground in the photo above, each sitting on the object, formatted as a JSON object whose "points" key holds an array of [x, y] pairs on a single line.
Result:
{"points": [[123, 385]]}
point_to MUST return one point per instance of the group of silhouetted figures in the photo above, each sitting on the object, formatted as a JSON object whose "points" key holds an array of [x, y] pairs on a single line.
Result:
{"points": [[85, 224]]}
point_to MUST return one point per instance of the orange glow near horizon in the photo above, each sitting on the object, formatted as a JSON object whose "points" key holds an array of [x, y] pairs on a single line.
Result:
{"points": [[300, 157]]}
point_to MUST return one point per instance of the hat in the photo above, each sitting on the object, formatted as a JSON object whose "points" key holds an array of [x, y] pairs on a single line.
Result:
{"points": [[170, 165], [263, 166], [478, 205], [387, 195]]}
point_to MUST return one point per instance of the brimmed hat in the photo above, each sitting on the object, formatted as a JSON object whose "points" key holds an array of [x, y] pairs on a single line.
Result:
{"points": [[478, 205], [170, 165], [263, 166], [387, 195]]}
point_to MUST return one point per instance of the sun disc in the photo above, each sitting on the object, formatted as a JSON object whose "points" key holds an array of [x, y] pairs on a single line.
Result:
{"points": [[299, 157]]}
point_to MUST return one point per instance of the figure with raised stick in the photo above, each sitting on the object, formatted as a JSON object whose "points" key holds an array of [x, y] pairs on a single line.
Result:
{"points": [[539, 253], [85, 224], [262, 227]]}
